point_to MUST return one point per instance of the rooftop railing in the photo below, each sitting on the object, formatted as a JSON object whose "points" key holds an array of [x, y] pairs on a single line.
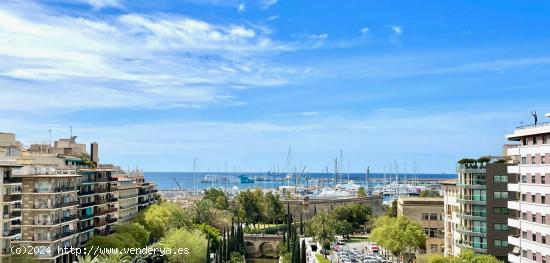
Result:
{"points": [[542, 124]]}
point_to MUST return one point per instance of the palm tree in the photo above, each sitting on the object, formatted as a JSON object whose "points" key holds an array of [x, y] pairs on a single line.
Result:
{"points": [[86, 259], [322, 225], [113, 258]]}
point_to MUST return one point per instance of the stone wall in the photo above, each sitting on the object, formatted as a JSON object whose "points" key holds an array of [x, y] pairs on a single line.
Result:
{"points": [[307, 207]]}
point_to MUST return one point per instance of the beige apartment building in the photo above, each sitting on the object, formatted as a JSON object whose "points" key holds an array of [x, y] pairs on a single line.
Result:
{"points": [[11, 206], [428, 212], [55, 197], [451, 193]]}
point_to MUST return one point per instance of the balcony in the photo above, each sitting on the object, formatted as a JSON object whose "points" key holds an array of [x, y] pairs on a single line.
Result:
{"points": [[55, 206], [513, 187], [513, 169], [514, 205], [514, 240], [472, 199], [472, 215], [87, 204], [12, 180], [54, 190], [513, 222], [86, 192], [12, 232], [111, 220], [475, 246], [472, 231], [86, 228], [12, 197], [55, 221], [470, 168], [55, 236]]}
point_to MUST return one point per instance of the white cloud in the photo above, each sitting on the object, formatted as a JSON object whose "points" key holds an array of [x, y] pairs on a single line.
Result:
{"points": [[309, 113], [133, 59], [397, 30], [322, 36], [266, 4], [241, 8], [365, 30]]}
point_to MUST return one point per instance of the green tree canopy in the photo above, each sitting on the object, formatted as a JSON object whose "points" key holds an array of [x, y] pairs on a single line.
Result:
{"points": [[361, 192], [322, 225], [217, 197], [273, 207], [398, 235], [465, 256], [430, 193], [250, 206], [194, 240], [138, 232], [355, 214]]}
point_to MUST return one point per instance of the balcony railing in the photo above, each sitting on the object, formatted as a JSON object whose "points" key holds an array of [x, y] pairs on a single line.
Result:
{"points": [[542, 124], [12, 197], [55, 236], [56, 221], [474, 199], [12, 232], [86, 192], [476, 246], [54, 189], [12, 180], [87, 204], [472, 230], [472, 214], [56, 205]]}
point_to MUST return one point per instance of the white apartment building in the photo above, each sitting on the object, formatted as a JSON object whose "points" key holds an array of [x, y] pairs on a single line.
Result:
{"points": [[531, 241], [451, 193]]}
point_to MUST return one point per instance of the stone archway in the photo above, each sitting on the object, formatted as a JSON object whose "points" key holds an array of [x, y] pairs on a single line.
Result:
{"points": [[267, 250], [250, 249]]}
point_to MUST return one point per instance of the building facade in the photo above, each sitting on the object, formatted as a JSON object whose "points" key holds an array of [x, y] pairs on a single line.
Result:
{"points": [[531, 218], [428, 212], [482, 208], [55, 197], [451, 193]]}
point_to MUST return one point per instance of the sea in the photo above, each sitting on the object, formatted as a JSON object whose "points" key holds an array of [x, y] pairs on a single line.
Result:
{"points": [[194, 180]]}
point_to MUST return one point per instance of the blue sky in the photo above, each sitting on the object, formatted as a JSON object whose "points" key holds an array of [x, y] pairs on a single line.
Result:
{"points": [[159, 83]]}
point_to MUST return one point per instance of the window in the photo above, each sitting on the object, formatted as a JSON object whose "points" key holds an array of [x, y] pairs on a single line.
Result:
{"points": [[542, 159], [433, 248], [523, 160], [501, 243], [524, 178], [534, 140], [500, 178], [534, 237], [543, 179], [543, 259], [500, 210], [500, 227], [524, 141], [524, 253], [543, 219], [523, 197], [544, 139], [534, 256], [500, 195], [533, 179], [425, 216], [543, 239], [524, 235], [434, 216], [532, 159], [534, 218], [524, 216]]}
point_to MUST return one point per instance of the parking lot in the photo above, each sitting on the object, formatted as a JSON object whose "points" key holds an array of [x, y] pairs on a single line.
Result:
{"points": [[357, 252]]}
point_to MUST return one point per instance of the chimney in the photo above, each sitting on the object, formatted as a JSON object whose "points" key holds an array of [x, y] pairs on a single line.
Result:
{"points": [[94, 154]]}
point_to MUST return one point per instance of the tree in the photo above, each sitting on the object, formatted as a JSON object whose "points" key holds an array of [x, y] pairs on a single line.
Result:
{"points": [[356, 214], [343, 228], [138, 232], [273, 207], [114, 258], [361, 192], [430, 193], [322, 225], [398, 235], [217, 197], [194, 241], [465, 256], [155, 257], [85, 259], [202, 211], [303, 249], [212, 234], [23, 257], [250, 209]]}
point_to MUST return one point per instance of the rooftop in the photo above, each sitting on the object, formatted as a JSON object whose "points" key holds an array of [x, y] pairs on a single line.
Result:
{"points": [[530, 129]]}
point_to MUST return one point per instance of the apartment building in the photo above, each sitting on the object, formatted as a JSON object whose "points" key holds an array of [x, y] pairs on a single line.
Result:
{"points": [[482, 212], [52, 200], [97, 202], [428, 212], [531, 218], [11, 206], [451, 207]]}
